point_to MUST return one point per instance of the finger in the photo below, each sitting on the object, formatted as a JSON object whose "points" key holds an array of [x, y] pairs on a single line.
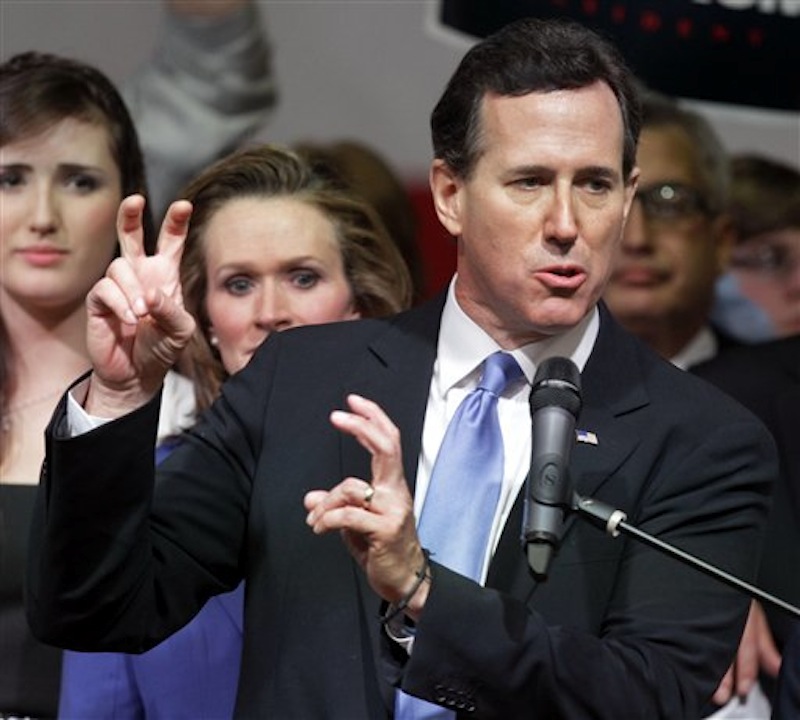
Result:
{"points": [[349, 492], [344, 507], [170, 316], [130, 227], [364, 429], [724, 691], [346, 518], [373, 429], [745, 676], [123, 274], [313, 498], [174, 229], [370, 409], [769, 657], [107, 298], [748, 654], [746, 665]]}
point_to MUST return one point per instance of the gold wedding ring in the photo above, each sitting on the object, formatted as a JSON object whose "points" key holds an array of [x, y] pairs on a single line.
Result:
{"points": [[368, 493]]}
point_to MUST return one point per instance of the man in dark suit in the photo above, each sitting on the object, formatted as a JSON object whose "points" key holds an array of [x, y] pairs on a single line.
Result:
{"points": [[534, 174], [765, 378], [676, 244], [678, 238]]}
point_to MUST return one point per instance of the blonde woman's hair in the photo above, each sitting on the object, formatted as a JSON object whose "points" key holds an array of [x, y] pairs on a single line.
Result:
{"points": [[377, 274]]}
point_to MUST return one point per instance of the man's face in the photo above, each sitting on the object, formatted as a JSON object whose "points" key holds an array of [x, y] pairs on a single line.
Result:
{"points": [[669, 258], [539, 218]]}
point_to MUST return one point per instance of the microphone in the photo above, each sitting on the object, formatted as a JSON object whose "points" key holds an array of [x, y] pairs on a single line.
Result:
{"points": [[555, 402]]}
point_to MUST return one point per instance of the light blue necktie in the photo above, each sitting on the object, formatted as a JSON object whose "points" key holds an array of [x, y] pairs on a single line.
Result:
{"points": [[462, 496]]}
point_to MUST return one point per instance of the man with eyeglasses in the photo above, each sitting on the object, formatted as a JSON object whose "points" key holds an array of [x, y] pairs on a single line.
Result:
{"points": [[676, 244], [678, 238]]}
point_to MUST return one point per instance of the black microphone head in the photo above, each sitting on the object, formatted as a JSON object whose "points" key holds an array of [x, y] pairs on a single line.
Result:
{"points": [[557, 382]]}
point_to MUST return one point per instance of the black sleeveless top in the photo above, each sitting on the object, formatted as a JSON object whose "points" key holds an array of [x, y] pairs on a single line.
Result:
{"points": [[30, 672]]}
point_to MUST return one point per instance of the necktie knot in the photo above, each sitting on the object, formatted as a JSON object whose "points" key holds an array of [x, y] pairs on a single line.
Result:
{"points": [[499, 369]]}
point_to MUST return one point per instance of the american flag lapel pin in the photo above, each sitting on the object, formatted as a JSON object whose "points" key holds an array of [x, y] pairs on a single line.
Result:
{"points": [[585, 436]]}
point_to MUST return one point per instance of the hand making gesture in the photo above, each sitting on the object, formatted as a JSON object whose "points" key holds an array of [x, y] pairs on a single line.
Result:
{"points": [[376, 518], [137, 324]]}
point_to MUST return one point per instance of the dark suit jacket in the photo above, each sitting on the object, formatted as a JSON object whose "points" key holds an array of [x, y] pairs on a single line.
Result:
{"points": [[766, 379], [618, 630], [786, 704]]}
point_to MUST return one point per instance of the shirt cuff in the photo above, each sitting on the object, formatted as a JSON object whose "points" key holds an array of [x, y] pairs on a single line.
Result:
{"points": [[78, 420], [401, 632]]}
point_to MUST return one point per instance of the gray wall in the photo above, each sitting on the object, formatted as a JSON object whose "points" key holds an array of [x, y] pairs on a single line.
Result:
{"points": [[346, 68]]}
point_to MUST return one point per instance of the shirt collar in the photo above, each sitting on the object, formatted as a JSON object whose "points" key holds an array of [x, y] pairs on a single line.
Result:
{"points": [[702, 346], [464, 345]]}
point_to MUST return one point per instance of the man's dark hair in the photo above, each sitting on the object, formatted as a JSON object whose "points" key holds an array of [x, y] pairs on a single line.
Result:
{"points": [[529, 55]]}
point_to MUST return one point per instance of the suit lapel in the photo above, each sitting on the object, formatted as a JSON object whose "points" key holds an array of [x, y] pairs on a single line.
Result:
{"points": [[396, 374]]}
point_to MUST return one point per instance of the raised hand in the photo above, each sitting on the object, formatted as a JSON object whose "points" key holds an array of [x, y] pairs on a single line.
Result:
{"points": [[137, 324], [757, 653], [375, 517]]}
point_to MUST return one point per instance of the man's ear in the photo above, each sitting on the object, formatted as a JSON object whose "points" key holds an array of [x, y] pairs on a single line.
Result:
{"points": [[446, 192]]}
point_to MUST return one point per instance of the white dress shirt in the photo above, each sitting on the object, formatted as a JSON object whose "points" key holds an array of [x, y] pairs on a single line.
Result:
{"points": [[462, 347]]}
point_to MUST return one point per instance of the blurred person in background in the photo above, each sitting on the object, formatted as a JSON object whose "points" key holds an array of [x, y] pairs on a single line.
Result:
{"points": [[678, 237], [69, 153], [758, 298], [206, 89], [369, 174]]}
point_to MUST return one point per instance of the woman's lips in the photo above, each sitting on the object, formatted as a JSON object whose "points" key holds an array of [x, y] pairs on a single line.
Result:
{"points": [[43, 256]]}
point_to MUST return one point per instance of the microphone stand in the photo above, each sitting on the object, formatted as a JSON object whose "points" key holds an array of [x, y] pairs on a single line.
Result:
{"points": [[613, 521]]}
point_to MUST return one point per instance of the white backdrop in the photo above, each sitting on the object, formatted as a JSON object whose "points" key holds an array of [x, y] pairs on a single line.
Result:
{"points": [[366, 69]]}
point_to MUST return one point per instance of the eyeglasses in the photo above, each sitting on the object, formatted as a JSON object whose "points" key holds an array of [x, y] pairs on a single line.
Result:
{"points": [[773, 260], [672, 201]]}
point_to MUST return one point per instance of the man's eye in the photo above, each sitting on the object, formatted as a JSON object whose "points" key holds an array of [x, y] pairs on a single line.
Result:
{"points": [[598, 185], [672, 201]]}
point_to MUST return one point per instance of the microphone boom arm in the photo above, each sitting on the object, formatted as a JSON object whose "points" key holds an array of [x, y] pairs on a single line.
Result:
{"points": [[613, 521]]}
